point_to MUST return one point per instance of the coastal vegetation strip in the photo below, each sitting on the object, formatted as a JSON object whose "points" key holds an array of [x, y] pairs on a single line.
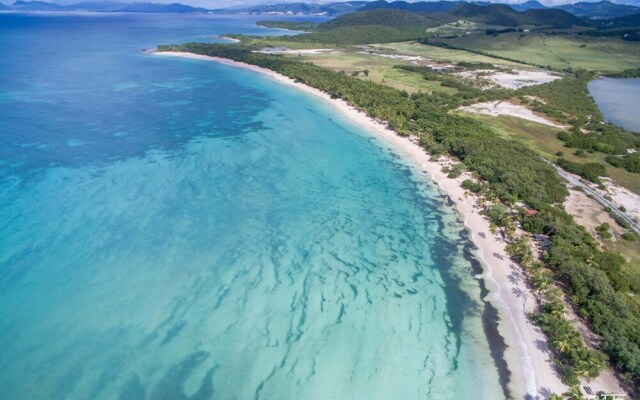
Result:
{"points": [[513, 173]]}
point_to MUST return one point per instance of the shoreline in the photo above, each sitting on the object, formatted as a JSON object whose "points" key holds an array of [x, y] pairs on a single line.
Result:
{"points": [[532, 373]]}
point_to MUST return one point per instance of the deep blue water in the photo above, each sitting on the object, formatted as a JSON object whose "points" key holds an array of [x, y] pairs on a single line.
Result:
{"points": [[618, 100], [176, 229]]}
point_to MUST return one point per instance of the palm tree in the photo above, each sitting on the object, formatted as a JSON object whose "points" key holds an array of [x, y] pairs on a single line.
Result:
{"points": [[567, 341], [589, 364], [574, 393]]}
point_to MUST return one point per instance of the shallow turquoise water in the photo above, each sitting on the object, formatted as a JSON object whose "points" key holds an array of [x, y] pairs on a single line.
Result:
{"points": [[175, 229], [618, 100]]}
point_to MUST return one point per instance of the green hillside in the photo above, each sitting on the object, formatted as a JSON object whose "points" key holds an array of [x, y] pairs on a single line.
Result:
{"points": [[501, 14], [375, 26], [399, 19], [358, 34]]}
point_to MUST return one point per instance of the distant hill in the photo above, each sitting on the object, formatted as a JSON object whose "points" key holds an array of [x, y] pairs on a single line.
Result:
{"points": [[626, 21], [528, 5], [501, 14], [106, 7], [36, 6], [626, 28], [370, 26], [388, 22], [421, 6], [329, 9], [399, 19], [600, 10], [160, 8]]}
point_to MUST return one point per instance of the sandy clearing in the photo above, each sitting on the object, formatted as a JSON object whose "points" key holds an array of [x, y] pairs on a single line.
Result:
{"points": [[622, 197], [589, 213], [510, 79], [522, 78], [496, 108]]}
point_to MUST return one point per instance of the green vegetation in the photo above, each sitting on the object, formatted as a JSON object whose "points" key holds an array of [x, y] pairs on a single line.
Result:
{"points": [[290, 25], [589, 171], [398, 19], [544, 140], [358, 34], [381, 70], [597, 284], [630, 162], [626, 28], [447, 45], [567, 99], [603, 231], [375, 26], [627, 73], [553, 51], [443, 54], [501, 14], [465, 93]]}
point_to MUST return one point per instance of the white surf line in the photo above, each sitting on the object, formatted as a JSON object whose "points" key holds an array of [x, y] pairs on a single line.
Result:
{"points": [[527, 365]]}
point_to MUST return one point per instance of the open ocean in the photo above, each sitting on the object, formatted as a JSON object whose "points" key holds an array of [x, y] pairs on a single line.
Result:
{"points": [[181, 229]]}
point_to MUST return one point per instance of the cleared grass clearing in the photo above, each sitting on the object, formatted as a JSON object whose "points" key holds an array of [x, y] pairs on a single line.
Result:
{"points": [[558, 51], [380, 70], [443, 55]]}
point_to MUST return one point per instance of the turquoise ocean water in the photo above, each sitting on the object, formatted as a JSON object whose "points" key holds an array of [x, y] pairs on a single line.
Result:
{"points": [[179, 229]]}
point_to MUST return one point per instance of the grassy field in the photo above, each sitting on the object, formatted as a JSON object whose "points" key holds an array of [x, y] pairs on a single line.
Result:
{"points": [[443, 55], [603, 54]]}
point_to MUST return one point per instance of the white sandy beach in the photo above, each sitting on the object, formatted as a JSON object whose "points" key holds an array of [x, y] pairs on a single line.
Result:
{"points": [[526, 354]]}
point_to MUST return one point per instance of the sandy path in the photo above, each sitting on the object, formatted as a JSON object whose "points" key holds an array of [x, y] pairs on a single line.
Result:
{"points": [[528, 361]]}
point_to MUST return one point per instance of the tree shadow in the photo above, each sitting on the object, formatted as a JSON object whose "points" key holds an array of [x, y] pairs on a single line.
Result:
{"points": [[515, 277], [520, 293], [544, 393], [542, 346]]}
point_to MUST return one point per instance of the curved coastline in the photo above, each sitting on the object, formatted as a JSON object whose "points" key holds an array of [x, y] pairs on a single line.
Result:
{"points": [[526, 356]]}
